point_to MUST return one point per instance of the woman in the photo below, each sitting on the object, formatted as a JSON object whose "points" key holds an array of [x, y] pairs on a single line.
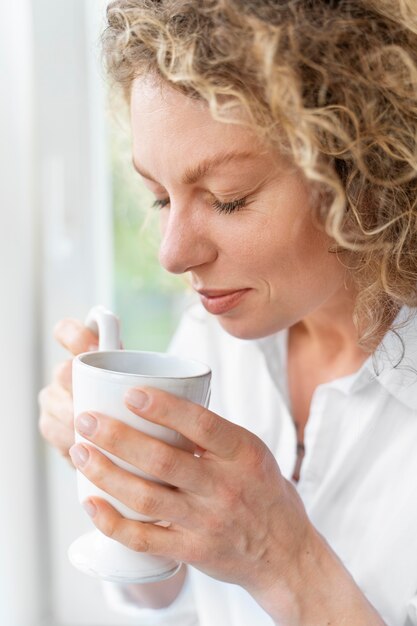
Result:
{"points": [[279, 140]]}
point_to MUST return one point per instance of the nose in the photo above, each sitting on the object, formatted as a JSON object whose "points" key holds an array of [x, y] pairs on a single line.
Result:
{"points": [[186, 243]]}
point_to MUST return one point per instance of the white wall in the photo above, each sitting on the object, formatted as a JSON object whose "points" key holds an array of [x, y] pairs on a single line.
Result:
{"points": [[21, 567], [55, 261]]}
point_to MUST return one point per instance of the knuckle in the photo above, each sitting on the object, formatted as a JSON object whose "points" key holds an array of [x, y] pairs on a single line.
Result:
{"points": [[230, 495], [162, 461], [183, 509], [208, 425], [137, 542], [111, 430], [145, 502], [95, 468], [256, 453], [214, 524], [155, 401], [108, 526]]}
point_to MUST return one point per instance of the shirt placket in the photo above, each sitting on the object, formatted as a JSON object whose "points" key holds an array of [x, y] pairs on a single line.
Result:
{"points": [[320, 439]]}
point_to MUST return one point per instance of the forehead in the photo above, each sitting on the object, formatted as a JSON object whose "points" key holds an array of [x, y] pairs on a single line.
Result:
{"points": [[164, 119]]}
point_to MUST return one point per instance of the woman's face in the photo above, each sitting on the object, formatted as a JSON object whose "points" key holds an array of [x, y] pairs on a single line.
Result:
{"points": [[234, 215]]}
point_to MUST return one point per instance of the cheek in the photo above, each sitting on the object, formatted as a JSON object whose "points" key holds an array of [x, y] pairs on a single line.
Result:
{"points": [[309, 244], [294, 256], [315, 274]]}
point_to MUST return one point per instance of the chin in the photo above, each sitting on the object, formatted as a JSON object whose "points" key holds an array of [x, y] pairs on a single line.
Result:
{"points": [[245, 328]]}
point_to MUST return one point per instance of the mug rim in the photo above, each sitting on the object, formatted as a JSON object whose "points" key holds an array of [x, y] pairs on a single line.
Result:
{"points": [[80, 359]]}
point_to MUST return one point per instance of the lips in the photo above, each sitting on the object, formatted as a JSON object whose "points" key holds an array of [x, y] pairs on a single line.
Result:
{"points": [[219, 301]]}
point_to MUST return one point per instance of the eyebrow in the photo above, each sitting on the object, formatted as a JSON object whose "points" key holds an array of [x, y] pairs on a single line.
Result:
{"points": [[194, 173]]}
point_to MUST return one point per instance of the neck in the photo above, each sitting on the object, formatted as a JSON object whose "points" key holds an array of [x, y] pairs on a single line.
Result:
{"points": [[330, 329]]}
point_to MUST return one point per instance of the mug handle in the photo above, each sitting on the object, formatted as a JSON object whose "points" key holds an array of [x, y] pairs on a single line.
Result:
{"points": [[106, 325]]}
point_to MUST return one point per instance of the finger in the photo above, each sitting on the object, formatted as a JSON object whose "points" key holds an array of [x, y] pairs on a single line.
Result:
{"points": [[141, 495], [55, 433], [154, 457], [62, 375], [74, 336], [56, 401], [138, 536], [208, 430]]}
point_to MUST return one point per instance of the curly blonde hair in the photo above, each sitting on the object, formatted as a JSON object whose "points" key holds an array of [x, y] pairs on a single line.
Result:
{"points": [[334, 83]]}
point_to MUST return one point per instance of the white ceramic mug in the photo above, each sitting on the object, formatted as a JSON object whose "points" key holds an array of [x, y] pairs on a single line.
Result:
{"points": [[100, 380]]}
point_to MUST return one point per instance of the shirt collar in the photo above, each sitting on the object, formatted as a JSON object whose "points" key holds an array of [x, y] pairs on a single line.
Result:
{"points": [[393, 364]]}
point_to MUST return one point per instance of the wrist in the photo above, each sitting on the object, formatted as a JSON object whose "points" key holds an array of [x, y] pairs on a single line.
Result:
{"points": [[317, 589], [326, 591]]}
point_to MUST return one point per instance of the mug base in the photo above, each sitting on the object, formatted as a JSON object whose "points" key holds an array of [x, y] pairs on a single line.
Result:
{"points": [[99, 556]]}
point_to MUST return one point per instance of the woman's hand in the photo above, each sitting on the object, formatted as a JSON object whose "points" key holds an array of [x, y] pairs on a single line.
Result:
{"points": [[232, 513], [56, 420]]}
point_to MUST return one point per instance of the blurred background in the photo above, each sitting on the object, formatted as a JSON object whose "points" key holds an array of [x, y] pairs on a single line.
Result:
{"points": [[76, 229]]}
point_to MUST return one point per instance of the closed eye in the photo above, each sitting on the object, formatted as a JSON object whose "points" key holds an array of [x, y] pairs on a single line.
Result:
{"points": [[220, 207], [228, 207]]}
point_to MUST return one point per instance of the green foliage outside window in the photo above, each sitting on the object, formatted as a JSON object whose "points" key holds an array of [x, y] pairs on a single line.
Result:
{"points": [[147, 298]]}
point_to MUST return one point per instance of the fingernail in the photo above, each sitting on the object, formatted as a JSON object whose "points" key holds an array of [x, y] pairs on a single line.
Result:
{"points": [[89, 507], [136, 398], [79, 454], [93, 347], [86, 424]]}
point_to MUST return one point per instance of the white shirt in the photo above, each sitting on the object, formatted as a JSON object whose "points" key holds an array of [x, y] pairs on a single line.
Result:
{"points": [[358, 479]]}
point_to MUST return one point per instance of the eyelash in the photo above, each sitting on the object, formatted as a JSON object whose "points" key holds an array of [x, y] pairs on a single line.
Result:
{"points": [[220, 207], [228, 207], [160, 204]]}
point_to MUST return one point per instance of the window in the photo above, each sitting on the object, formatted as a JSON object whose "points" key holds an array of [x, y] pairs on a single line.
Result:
{"points": [[148, 299], [62, 249]]}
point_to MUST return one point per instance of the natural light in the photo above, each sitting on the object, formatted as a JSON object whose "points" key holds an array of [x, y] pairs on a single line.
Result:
{"points": [[74, 217]]}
